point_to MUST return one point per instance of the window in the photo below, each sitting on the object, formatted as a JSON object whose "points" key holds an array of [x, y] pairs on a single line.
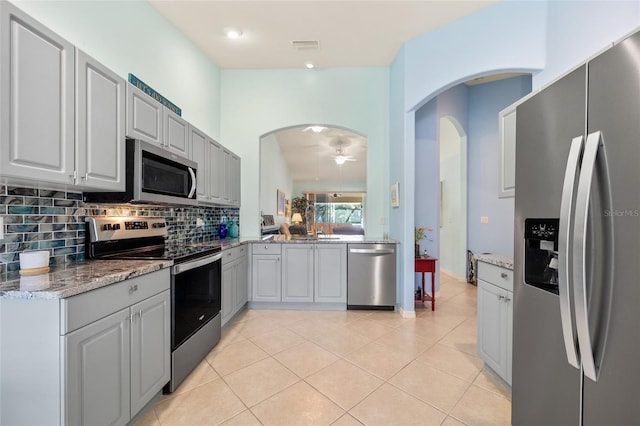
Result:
{"points": [[339, 213]]}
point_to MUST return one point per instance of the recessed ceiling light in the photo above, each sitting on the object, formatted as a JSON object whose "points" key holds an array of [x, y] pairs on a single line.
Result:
{"points": [[232, 33], [309, 65]]}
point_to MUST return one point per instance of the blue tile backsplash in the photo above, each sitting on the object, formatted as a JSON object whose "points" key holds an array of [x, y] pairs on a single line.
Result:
{"points": [[53, 220]]}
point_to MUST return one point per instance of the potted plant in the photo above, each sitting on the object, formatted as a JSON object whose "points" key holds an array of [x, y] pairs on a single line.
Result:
{"points": [[419, 235], [300, 205]]}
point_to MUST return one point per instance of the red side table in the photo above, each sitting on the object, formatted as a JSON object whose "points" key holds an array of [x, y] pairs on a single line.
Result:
{"points": [[427, 264]]}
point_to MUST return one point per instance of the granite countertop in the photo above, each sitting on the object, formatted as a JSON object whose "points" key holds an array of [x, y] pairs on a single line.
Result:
{"points": [[496, 259], [72, 279], [323, 239]]}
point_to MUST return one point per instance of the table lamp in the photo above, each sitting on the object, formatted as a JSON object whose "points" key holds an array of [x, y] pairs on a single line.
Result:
{"points": [[296, 218]]}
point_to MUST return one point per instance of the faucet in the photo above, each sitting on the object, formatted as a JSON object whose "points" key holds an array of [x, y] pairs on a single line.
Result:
{"points": [[310, 218]]}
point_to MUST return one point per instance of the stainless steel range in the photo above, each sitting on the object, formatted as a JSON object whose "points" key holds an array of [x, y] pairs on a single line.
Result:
{"points": [[196, 282]]}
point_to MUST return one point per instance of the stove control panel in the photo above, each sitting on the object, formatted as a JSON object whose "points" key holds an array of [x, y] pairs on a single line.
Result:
{"points": [[107, 228], [137, 224]]}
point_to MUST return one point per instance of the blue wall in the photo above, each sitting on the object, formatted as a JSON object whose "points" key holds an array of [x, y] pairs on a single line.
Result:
{"points": [[485, 102]]}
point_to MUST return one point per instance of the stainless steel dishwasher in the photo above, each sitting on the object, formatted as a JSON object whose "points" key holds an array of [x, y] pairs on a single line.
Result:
{"points": [[371, 276]]}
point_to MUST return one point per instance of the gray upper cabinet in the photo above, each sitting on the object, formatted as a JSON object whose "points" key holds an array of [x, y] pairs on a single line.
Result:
{"points": [[216, 172], [37, 102], [100, 125], [62, 115], [176, 133], [150, 121], [507, 153], [144, 116], [234, 176], [199, 153]]}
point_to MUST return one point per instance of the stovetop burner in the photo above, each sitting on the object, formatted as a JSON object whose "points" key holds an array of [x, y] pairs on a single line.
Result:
{"points": [[139, 239]]}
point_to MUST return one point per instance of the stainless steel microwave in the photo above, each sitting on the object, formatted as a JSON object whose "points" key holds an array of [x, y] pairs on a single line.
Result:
{"points": [[153, 176]]}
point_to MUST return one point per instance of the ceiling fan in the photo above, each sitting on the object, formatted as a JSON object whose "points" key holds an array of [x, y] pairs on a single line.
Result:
{"points": [[341, 157]]}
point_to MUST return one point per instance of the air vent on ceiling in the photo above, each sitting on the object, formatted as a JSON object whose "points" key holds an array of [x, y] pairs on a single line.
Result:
{"points": [[305, 44]]}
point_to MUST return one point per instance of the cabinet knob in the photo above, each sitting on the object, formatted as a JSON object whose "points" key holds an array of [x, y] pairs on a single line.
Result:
{"points": [[504, 275], [507, 299], [501, 297], [133, 288]]}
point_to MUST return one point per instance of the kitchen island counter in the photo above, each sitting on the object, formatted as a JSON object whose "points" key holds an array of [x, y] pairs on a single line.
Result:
{"points": [[72, 279], [496, 259]]}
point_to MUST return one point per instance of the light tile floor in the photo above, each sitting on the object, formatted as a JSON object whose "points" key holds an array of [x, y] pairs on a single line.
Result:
{"points": [[344, 368]]}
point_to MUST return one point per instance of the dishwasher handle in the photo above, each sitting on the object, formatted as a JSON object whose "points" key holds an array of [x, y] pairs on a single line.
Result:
{"points": [[372, 251]]}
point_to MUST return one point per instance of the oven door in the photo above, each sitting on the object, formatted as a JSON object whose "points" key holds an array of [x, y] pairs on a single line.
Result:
{"points": [[196, 293]]}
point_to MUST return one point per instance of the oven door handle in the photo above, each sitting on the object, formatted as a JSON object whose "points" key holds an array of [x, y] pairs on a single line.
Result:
{"points": [[183, 267]]}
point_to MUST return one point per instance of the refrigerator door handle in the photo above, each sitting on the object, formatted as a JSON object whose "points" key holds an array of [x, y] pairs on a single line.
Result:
{"points": [[564, 245], [594, 153]]}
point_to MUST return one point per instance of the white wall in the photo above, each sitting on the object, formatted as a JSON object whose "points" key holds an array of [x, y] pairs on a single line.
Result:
{"points": [[273, 178], [132, 37], [256, 102], [453, 187], [313, 186]]}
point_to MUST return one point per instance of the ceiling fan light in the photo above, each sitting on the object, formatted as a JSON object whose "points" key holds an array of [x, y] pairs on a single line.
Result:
{"points": [[340, 159], [309, 65], [232, 33]]}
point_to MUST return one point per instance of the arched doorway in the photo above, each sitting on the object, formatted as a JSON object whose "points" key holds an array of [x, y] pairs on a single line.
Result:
{"points": [[453, 197]]}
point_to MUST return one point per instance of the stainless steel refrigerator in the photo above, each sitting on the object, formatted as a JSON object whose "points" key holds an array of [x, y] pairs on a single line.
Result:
{"points": [[576, 331]]}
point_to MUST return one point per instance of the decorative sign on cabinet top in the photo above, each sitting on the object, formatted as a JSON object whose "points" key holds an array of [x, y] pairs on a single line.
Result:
{"points": [[155, 95]]}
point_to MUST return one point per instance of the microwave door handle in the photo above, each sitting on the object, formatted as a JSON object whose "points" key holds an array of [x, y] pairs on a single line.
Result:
{"points": [[564, 245], [193, 182], [594, 154]]}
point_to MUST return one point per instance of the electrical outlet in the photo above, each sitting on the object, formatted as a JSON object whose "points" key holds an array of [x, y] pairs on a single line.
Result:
{"points": [[1, 228], [484, 219]]}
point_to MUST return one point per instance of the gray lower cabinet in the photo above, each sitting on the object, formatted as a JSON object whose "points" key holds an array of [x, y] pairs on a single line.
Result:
{"points": [[234, 282], [308, 273], [97, 372], [266, 267], [495, 318], [95, 358], [61, 113], [330, 273], [297, 272]]}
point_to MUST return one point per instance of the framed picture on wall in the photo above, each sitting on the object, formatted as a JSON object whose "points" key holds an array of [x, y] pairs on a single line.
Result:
{"points": [[395, 195], [280, 203], [287, 208]]}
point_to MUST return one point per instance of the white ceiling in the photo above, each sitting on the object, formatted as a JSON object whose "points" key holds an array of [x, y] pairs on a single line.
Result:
{"points": [[310, 156], [354, 33]]}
